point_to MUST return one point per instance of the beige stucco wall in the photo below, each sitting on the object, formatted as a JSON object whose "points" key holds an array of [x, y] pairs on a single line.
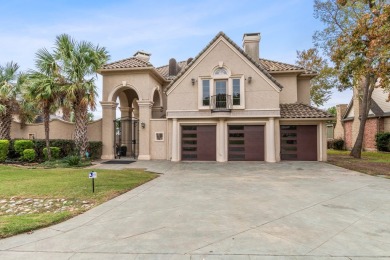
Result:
{"points": [[289, 93], [158, 149], [58, 130], [386, 127], [303, 88], [259, 94], [141, 81]]}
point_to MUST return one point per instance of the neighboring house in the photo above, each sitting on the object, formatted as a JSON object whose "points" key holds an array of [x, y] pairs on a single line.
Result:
{"points": [[347, 125], [225, 104]]}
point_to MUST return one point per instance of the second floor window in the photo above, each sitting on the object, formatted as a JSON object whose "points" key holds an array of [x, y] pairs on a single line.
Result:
{"points": [[206, 92], [236, 92]]}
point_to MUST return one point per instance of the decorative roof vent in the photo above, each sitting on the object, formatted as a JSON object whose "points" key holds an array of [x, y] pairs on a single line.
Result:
{"points": [[142, 55], [172, 67], [189, 60]]}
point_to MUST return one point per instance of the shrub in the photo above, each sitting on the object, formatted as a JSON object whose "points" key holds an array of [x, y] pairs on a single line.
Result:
{"points": [[329, 144], [338, 144], [73, 160], [95, 149], [383, 141], [21, 145], [55, 152], [67, 147], [4, 146], [29, 155]]}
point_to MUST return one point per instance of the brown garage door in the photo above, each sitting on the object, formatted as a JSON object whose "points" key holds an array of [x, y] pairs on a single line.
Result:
{"points": [[246, 143], [298, 142], [198, 143]]}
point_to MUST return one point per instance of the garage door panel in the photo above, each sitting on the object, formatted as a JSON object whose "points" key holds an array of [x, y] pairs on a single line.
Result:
{"points": [[199, 143], [298, 142], [246, 143]]}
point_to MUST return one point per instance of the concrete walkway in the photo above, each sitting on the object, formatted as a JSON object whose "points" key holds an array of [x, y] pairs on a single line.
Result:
{"points": [[297, 210]]}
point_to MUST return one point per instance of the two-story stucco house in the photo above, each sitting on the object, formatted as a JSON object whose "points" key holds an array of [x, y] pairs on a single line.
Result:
{"points": [[226, 104]]}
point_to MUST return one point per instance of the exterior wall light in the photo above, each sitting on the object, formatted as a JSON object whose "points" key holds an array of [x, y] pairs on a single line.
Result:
{"points": [[142, 125], [249, 79], [193, 81]]}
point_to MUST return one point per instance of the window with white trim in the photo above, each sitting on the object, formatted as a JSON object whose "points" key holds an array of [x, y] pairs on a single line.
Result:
{"points": [[221, 90]]}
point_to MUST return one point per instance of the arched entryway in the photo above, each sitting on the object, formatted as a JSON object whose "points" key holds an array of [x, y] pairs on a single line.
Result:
{"points": [[120, 131]]}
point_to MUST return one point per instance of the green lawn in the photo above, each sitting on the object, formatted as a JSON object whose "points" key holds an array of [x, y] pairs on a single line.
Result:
{"points": [[373, 163], [66, 192]]}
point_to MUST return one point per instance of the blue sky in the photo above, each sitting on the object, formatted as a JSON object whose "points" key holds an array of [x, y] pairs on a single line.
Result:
{"points": [[178, 29]]}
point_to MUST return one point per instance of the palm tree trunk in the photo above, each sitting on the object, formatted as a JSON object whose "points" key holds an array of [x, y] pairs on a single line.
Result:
{"points": [[5, 123], [80, 135], [368, 88], [46, 121]]}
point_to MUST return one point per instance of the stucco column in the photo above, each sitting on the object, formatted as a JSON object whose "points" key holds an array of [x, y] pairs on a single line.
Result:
{"points": [[175, 140], [108, 129], [277, 139], [221, 140], [322, 142], [145, 113], [126, 127], [270, 140]]}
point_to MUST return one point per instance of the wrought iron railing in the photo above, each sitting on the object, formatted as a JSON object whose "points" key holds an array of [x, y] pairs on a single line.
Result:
{"points": [[221, 102]]}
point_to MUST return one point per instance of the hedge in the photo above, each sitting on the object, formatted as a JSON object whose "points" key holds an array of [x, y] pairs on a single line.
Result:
{"points": [[21, 145], [55, 152], [4, 146], [68, 147], [383, 141], [29, 155]]}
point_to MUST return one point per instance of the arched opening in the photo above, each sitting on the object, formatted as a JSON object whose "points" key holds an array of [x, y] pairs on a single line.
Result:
{"points": [[126, 134], [158, 108]]}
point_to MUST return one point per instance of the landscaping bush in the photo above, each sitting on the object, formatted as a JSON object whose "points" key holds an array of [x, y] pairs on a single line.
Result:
{"points": [[73, 160], [383, 141], [4, 146], [29, 155], [329, 144], [21, 145], [338, 144], [95, 149], [55, 152]]}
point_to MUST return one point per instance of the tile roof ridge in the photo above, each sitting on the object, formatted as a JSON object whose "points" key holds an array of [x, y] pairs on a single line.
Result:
{"points": [[126, 59]]}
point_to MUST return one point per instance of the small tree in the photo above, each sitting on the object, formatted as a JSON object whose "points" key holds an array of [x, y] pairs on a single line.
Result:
{"points": [[326, 78]]}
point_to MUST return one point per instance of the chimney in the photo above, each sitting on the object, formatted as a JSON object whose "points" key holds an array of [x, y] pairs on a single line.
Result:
{"points": [[172, 67], [142, 55], [250, 44]]}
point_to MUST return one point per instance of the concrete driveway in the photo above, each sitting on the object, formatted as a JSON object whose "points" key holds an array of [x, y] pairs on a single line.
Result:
{"points": [[299, 210]]}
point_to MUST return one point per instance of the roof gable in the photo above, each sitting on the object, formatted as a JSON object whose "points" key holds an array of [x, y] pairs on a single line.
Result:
{"points": [[222, 37]]}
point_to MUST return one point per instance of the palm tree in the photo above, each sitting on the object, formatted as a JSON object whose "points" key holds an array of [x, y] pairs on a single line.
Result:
{"points": [[44, 89], [79, 62], [10, 82]]}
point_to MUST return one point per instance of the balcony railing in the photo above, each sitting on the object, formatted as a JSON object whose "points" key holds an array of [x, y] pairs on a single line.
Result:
{"points": [[221, 103]]}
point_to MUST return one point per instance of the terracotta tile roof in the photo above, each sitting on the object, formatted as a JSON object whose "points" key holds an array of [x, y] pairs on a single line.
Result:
{"points": [[277, 66], [298, 110], [128, 63], [261, 68]]}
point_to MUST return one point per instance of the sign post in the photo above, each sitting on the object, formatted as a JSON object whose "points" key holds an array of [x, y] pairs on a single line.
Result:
{"points": [[93, 175]]}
